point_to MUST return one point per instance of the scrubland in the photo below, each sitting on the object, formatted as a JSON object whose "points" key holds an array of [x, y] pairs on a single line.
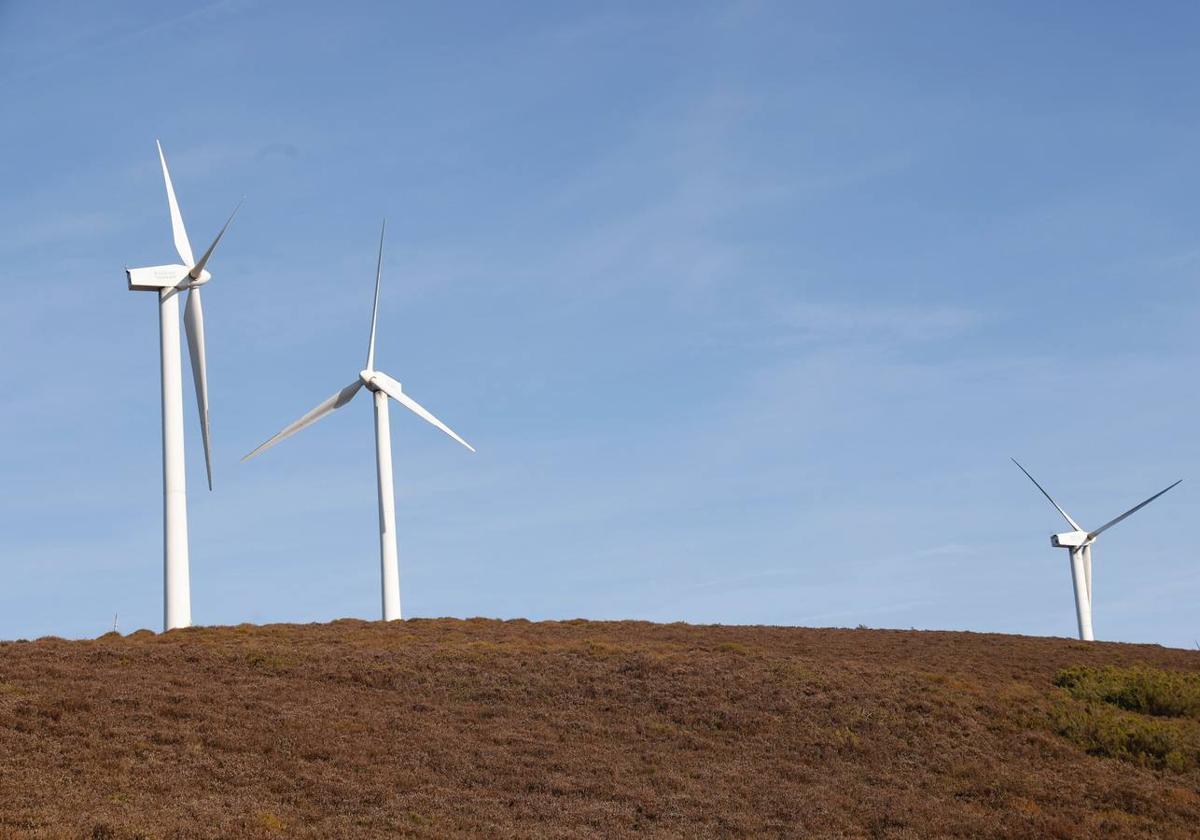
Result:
{"points": [[479, 728]]}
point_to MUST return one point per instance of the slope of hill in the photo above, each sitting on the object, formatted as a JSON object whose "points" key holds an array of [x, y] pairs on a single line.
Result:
{"points": [[448, 728]]}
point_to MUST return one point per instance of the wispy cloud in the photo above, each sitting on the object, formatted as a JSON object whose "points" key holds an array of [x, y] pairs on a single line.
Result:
{"points": [[37, 233], [875, 324], [84, 45], [947, 550]]}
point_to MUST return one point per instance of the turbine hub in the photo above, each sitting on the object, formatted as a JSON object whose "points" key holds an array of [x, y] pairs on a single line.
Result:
{"points": [[190, 282]]}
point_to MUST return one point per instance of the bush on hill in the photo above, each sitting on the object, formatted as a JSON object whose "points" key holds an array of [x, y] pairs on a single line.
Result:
{"points": [[1147, 716]]}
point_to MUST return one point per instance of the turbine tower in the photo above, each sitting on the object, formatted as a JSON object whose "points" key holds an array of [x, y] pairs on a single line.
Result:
{"points": [[382, 387], [168, 281], [1079, 543]]}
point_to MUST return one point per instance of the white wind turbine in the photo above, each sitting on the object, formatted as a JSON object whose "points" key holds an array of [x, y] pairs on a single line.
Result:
{"points": [[168, 281], [383, 386], [1079, 543]]}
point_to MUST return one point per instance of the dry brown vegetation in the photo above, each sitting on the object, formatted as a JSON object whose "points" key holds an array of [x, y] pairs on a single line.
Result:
{"points": [[580, 729]]}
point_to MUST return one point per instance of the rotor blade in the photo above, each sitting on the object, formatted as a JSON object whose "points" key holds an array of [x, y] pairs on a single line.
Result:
{"points": [[195, 272], [181, 238], [391, 387], [193, 323], [1066, 516], [1128, 513], [375, 307], [336, 401]]}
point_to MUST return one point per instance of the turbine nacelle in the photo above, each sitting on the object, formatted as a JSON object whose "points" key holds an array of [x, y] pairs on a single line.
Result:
{"points": [[1070, 539], [157, 277]]}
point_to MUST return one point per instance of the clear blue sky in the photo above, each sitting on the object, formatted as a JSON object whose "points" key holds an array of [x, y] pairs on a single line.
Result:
{"points": [[745, 306]]}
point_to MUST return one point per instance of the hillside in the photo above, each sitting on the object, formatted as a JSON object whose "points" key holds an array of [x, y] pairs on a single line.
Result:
{"points": [[446, 728]]}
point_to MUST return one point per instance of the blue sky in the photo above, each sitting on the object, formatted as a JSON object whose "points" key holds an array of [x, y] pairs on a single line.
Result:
{"points": [[744, 305]]}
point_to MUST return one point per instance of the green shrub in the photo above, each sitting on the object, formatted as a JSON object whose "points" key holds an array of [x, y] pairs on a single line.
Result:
{"points": [[1148, 691], [1114, 733], [1142, 715]]}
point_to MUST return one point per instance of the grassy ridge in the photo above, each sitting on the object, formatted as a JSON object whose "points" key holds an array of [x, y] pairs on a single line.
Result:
{"points": [[451, 728]]}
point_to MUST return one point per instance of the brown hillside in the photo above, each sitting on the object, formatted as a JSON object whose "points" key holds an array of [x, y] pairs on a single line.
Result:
{"points": [[578, 729]]}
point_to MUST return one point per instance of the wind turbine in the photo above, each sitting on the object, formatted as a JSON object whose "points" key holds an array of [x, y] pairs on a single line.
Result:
{"points": [[382, 386], [168, 281], [1079, 543]]}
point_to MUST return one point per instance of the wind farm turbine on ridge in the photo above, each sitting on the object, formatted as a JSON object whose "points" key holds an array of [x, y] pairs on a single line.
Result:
{"points": [[168, 281], [383, 387], [1079, 543]]}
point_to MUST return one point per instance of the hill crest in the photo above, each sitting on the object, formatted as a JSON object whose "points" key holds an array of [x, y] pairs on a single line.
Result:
{"points": [[444, 728]]}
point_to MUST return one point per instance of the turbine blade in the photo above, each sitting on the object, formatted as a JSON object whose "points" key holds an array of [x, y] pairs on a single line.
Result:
{"points": [[1066, 516], [335, 402], [1128, 513], [375, 307], [195, 272], [391, 387], [181, 238], [193, 323]]}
